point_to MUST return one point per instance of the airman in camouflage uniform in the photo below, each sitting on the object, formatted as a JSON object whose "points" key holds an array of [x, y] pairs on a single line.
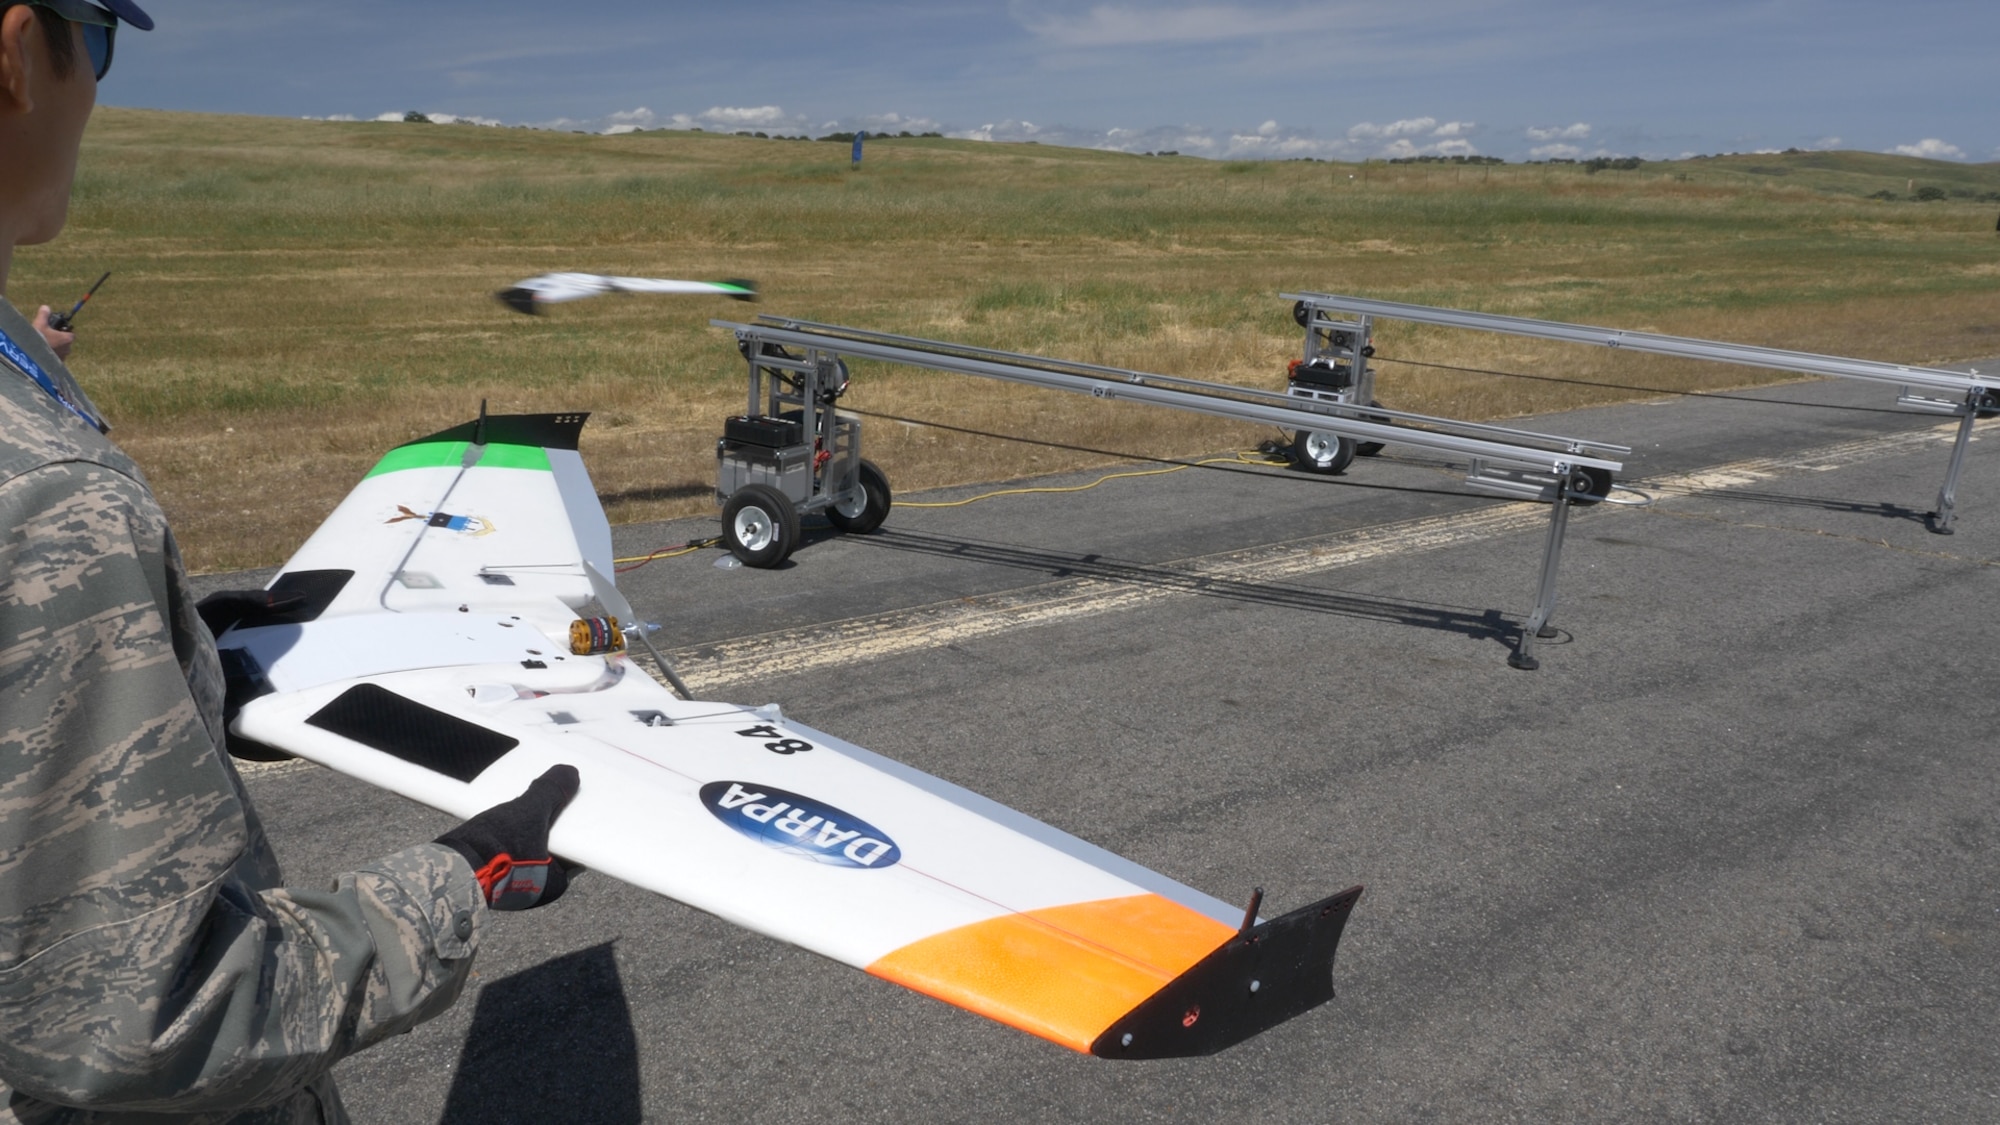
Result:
{"points": [[149, 958], [152, 967]]}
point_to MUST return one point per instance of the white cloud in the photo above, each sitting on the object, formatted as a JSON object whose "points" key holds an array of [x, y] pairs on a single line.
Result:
{"points": [[1269, 140], [1270, 146], [1576, 132], [1404, 138], [718, 118], [1560, 152], [1931, 148], [1001, 131], [745, 117], [893, 123], [1827, 143], [1368, 130]]}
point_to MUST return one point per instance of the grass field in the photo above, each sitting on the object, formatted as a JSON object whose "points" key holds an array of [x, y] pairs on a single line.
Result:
{"points": [[292, 297]]}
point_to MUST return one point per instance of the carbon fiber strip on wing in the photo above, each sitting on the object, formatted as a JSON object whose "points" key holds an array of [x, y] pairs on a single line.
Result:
{"points": [[379, 718]]}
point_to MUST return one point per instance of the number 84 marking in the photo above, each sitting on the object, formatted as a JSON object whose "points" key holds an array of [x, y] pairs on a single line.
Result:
{"points": [[778, 744]]}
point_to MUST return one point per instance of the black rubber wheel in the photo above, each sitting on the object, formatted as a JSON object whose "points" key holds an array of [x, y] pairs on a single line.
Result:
{"points": [[760, 525], [1319, 452], [867, 514], [1370, 448], [1588, 485]]}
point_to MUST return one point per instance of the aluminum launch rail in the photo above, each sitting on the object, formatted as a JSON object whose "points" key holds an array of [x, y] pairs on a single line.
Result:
{"points": [[1967, 395], [1521, 464]]}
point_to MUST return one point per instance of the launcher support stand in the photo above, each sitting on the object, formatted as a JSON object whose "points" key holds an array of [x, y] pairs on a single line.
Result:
{"points": [[1947, 501], [1538, 627]]}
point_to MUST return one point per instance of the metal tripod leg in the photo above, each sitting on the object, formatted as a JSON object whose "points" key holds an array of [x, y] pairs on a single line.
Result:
{"points": [[1538, 626], [1947, 501]]}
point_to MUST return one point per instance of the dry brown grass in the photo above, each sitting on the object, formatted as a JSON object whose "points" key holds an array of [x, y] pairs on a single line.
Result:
{"points": [[293, 297]]}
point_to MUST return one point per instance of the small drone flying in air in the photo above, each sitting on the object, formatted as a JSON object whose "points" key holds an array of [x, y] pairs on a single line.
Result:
{"points": [[527, 296]]}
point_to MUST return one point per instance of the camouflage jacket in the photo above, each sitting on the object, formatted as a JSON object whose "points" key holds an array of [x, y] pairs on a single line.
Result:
{"points": [[152, 968]]}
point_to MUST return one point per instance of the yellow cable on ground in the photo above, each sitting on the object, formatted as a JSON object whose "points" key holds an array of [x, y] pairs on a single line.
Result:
{"points": [[665, 553]]}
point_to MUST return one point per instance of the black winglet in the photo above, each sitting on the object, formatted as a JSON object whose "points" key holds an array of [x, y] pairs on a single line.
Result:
{"points": [[550, 431], [1255, 981], [518, 299], [749, 288]]}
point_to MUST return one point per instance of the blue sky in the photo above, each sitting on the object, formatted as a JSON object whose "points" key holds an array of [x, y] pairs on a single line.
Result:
{"points": [[1519, 79]]}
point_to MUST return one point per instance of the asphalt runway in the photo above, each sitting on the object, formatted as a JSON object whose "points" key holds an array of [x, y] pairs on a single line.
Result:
{"points": [[1730, 855]]}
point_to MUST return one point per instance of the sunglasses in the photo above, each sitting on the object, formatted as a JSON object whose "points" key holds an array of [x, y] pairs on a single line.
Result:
{"points": [[100, 28]]}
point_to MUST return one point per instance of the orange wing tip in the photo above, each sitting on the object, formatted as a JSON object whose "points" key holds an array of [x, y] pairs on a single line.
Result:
{"points": [[1065, 973], [1131, 978], [1255, 981]]}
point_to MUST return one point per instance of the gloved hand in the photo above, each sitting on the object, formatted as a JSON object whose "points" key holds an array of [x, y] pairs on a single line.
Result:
{"points": [[225, 608], [508, 844]]}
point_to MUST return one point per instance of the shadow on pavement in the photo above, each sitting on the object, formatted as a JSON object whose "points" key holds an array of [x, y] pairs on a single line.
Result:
{"points": [[1835, 505], [551, 1043], [1478, 624]]}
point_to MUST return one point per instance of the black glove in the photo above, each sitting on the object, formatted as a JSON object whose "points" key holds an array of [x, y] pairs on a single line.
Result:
{"points": [[508, 844], [248, 608]]}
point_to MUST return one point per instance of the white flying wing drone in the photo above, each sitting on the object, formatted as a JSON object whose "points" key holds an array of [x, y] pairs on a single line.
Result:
{"points": [[452, 641], [550, 288]]}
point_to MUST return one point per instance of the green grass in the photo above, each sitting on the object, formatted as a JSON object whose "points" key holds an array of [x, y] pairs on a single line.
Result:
{"points": [[291, 297]]}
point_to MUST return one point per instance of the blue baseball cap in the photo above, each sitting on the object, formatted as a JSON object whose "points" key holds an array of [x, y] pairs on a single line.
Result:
{"points": [[92, 11], [128, 11]]}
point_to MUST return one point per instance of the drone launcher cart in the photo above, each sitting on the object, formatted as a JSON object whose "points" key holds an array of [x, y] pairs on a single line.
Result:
{"points": [[1519, 464]]}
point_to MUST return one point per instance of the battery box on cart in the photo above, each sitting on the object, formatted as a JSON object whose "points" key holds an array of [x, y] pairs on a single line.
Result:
{"points": [[763, 430]]}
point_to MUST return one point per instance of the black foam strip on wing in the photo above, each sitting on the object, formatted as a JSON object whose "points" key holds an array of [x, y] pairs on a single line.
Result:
{"points": [[550, 431], [379, 718]]}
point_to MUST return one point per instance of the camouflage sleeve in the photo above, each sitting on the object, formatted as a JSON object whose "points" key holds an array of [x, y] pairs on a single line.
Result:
{"points": [[139, 967]]}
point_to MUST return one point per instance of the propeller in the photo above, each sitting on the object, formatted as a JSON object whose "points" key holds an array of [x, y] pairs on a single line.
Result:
{"points": [[611, 599]]}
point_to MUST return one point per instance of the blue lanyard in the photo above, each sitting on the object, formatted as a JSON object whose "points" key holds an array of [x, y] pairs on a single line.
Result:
{"points": [[13, 353]]}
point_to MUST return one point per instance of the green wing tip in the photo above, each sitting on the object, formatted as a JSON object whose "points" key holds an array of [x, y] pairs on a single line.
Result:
{"points": [[520, 300], [749, 289]]}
